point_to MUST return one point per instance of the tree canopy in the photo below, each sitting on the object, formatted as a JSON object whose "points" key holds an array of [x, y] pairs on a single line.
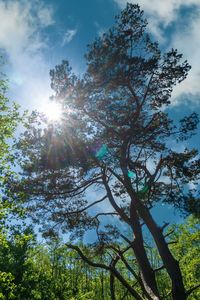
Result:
{"points": [[109, 160], [9, 119]]}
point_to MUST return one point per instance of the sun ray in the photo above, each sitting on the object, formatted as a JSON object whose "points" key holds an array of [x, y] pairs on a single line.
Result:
{"points": [[52, 111]]}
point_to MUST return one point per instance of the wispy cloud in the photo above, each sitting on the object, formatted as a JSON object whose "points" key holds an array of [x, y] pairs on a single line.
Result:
{"points": [[22, 23], [68, 36], [160, 15], [45, 15]]}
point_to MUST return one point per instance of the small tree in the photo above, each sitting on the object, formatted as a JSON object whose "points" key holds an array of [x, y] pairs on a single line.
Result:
{"points": [[9, 119], [109, 158]]}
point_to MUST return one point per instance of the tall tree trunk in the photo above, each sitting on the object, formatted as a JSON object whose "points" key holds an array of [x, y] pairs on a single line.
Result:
{"points": [[148, 276], [171, 264], [112, 287]]}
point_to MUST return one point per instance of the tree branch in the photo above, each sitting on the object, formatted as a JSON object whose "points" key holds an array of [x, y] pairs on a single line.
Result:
{"points": [[105, 267], [159, 268], [113, 203], [190, 291], [147, 89], [90, 205], [134, 95], [169, 233], [164, 226], [86, 259]]}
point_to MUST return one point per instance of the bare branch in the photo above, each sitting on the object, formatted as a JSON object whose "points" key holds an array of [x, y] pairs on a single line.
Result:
{"points": [[159, 268], [106, 214], [113, 203], [135, 97], [169, 233], [190, 291], [126, 239], [164, 226], [107, 268], [116, 175], [147, 89], [86, 259], [172, 242], [90, 205]]}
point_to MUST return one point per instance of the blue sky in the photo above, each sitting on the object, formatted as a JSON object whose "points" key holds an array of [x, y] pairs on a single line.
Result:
{"points": [[36, 35]]}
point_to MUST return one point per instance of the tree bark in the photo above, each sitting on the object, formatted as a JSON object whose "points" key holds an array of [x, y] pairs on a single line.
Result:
{"points": [[171, 264], [148, 275], [112, 287]]}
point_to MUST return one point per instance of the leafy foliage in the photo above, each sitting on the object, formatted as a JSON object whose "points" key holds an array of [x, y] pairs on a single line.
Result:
{"points": [[51, 271]]}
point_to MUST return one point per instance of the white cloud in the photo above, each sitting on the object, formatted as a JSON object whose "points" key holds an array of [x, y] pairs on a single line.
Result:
{"points": [[161, 14], [162, 10], [45, 16], [22, 41], [68, 36], [187, 41]]}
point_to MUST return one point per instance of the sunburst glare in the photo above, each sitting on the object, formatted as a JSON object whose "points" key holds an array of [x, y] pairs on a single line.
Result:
{"points": [[52, 111]]}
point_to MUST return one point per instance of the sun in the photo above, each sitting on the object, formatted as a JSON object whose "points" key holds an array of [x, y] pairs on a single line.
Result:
{"points": [[52, 111]]}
